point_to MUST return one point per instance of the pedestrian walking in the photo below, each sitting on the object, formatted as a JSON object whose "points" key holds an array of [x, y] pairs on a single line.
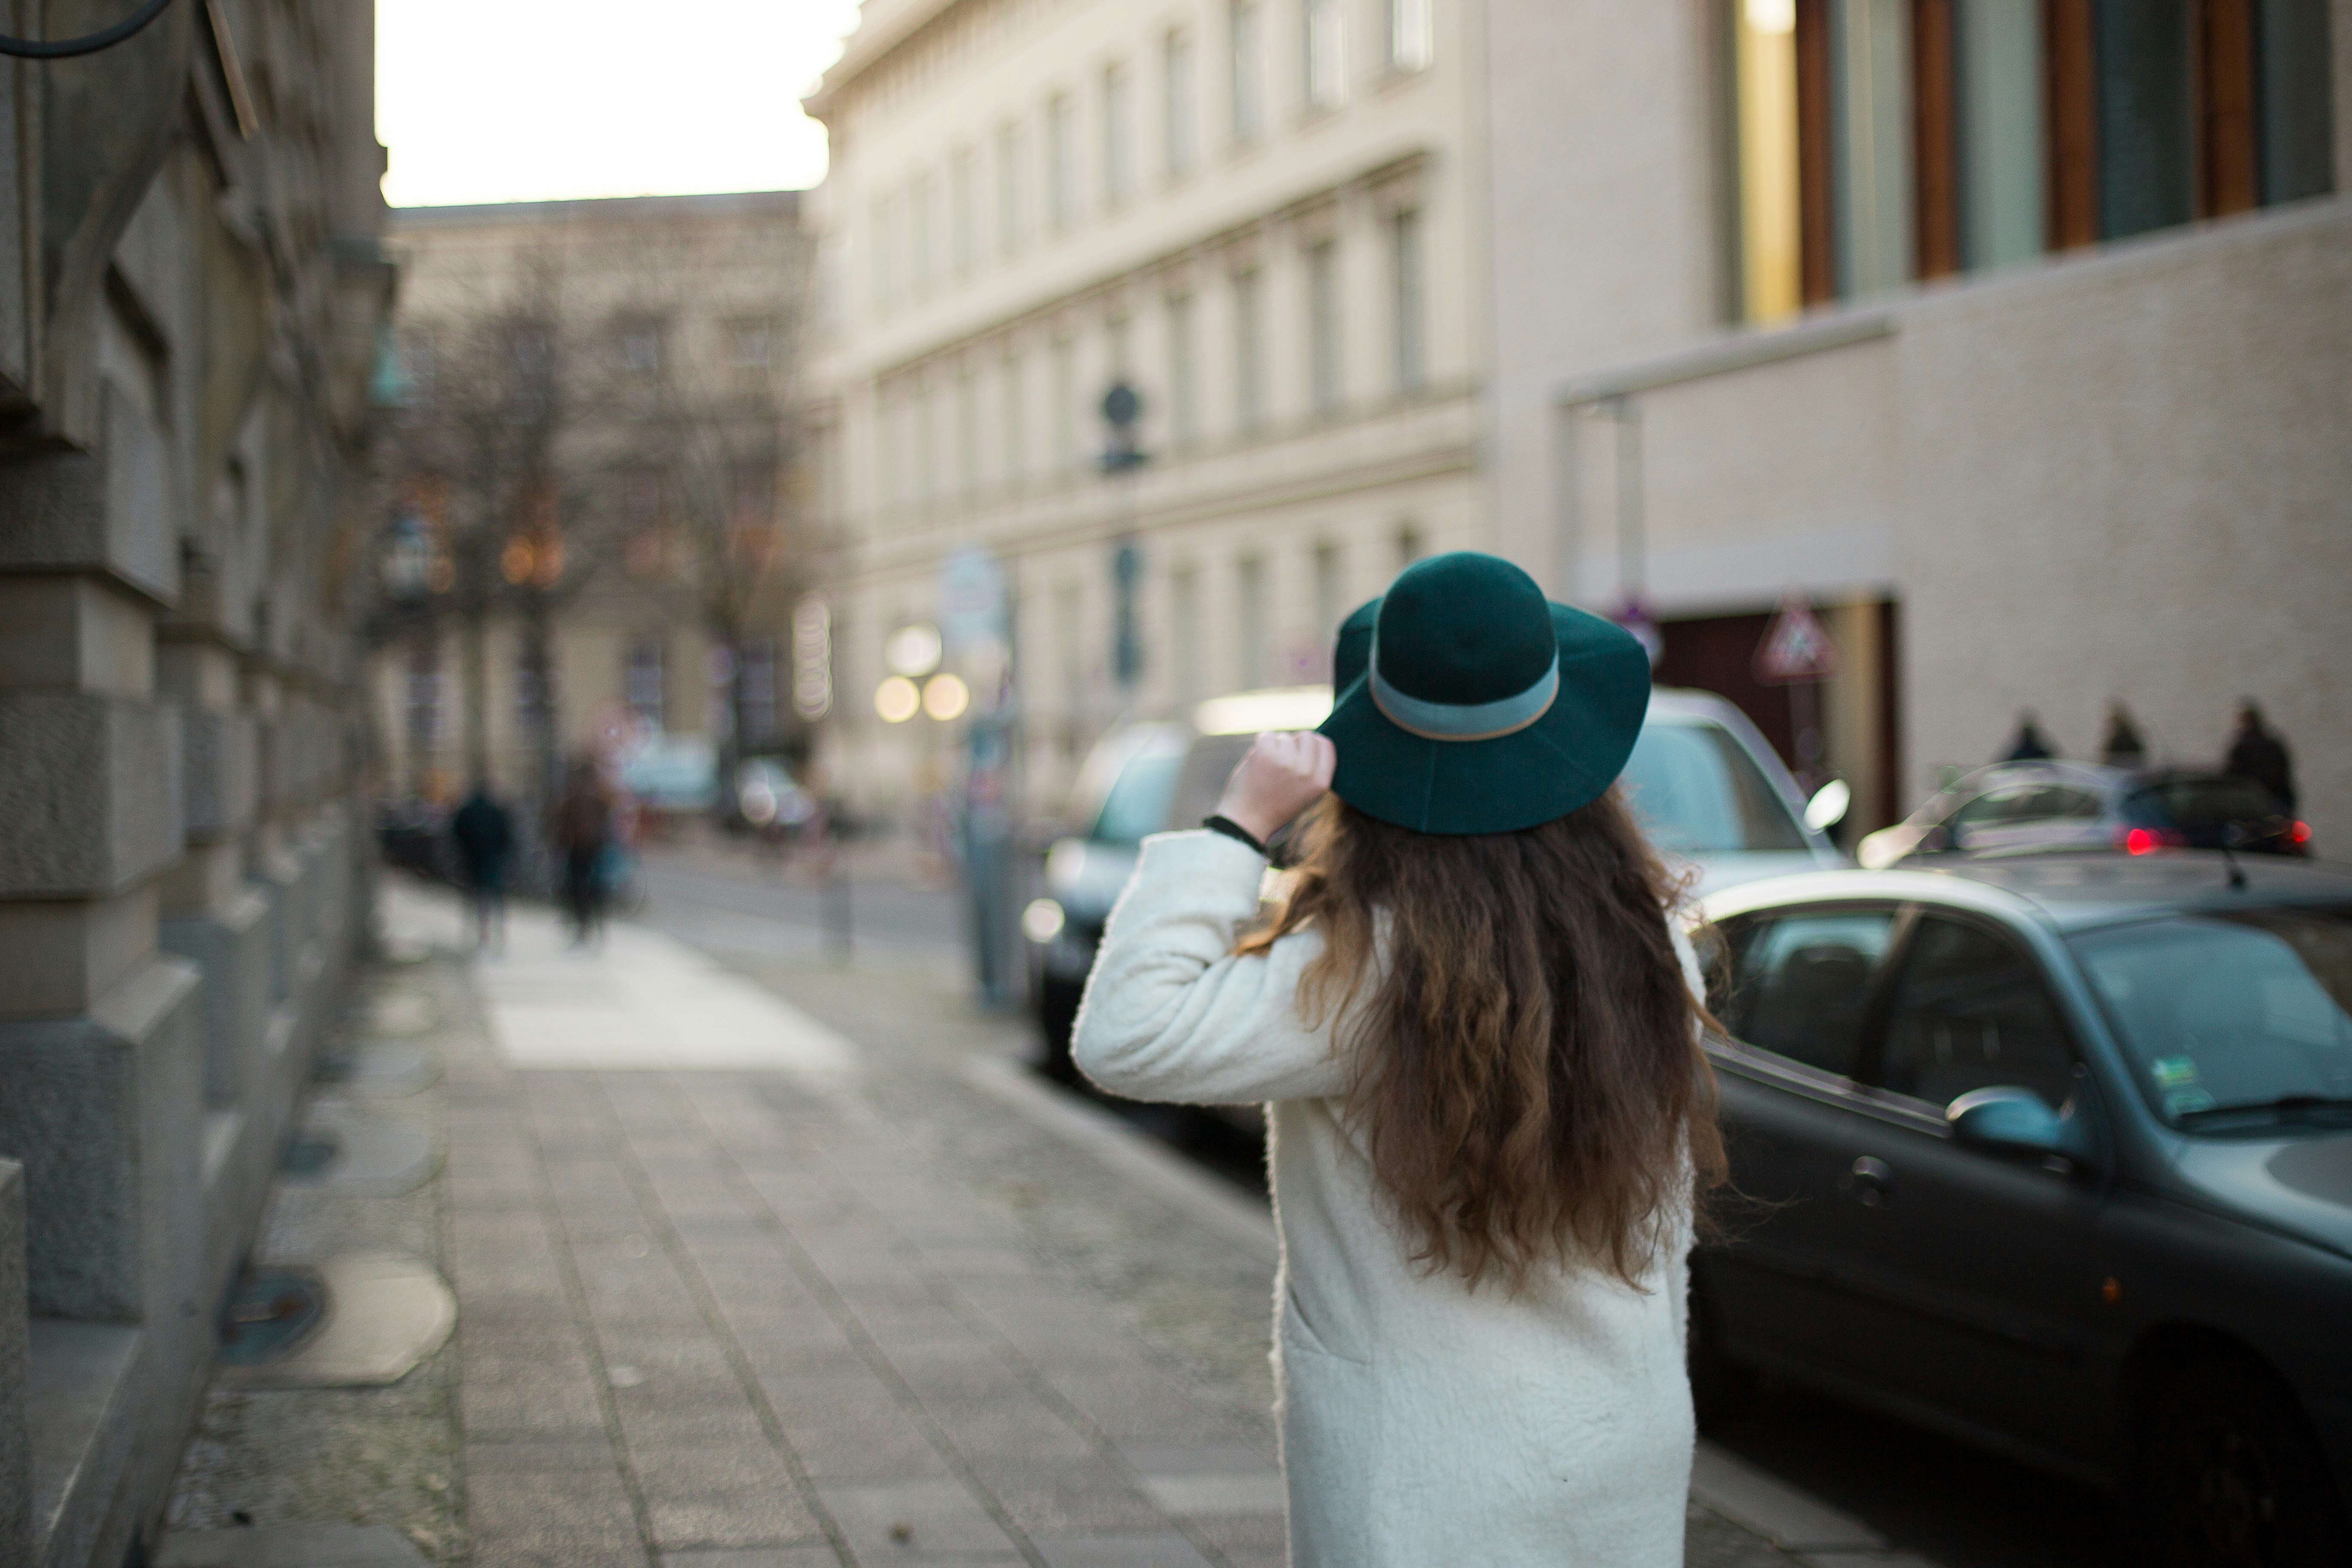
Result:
{"points": [[483, 833], [1476, 1021], [2256, 753], [2029, 746], [583, 833], [2123, 748]]}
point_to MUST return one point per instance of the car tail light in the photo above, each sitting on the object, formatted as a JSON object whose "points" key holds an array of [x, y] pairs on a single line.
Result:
{"points": [[2300, 832], [2140, 841]]}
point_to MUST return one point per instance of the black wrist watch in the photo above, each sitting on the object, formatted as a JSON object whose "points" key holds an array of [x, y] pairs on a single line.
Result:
{"points": [[1232, 829]]}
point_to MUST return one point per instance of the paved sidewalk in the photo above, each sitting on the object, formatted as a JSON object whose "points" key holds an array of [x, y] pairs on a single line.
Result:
{"points": [[821, 1297]]}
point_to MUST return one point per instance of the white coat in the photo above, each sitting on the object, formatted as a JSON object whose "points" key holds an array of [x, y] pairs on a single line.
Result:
{"points": [[1422, 1424]]}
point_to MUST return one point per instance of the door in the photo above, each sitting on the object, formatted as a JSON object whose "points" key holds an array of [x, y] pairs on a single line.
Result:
{"points": [[1984, 1271], [1794, 991]]}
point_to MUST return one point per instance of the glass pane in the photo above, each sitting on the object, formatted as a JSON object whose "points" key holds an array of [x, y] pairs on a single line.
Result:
{"points": [[1697, 792], [1138, 804], [2225, 1010], [1802, 981], [2145, 160], [1971, 1013]]}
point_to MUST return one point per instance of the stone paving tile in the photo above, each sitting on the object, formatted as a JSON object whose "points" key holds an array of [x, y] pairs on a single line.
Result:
{"points": [[754, 1557], [914, 1521], [730, 1495], [1156, 1549]]}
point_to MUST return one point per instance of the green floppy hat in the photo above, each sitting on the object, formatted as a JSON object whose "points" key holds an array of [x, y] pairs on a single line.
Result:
{"points": [[1467, 704]]}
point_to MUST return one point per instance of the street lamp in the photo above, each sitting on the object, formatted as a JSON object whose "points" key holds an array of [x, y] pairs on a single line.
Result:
{"points": [[1122, 410]]}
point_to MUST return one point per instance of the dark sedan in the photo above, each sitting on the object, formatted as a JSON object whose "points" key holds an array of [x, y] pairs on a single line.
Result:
{"points": [[2054, 1153]]}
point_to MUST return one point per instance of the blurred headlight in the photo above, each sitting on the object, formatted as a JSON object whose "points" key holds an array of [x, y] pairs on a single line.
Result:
{"points": [[1065, 863], [759, 804], [1042, 922]]}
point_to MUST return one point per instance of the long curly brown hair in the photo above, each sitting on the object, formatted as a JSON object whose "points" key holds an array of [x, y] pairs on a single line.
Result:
{"points": [[1527, 1076]]}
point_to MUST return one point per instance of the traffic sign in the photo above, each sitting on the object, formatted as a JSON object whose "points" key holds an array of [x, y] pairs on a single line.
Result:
{"points": [[1796, 647]]}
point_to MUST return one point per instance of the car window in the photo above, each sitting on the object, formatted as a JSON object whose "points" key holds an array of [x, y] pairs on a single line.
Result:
{"points": [[1971, 1012], [2197, 801], [1696, 791], [2059, 802], [1801, 982], [1137, 803], [2218, 1010], [1991, 807]]}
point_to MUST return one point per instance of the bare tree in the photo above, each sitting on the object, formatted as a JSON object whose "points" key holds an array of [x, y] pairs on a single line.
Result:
{"points": [[493, 477]]}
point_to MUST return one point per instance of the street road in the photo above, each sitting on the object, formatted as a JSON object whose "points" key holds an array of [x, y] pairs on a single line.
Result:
{"points": [[1951, 1504]]}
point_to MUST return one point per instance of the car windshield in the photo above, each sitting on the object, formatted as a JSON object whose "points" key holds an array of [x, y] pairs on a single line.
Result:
{"points": [[1137, 803], [1697, 792], [2242, 1009]]}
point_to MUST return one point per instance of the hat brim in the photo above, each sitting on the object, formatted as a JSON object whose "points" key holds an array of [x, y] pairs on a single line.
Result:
{"points": [[1560, 763]]}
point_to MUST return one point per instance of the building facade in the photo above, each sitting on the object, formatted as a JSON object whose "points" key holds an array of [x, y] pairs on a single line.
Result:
{"points": [[1263, 219], [2007, 335], [642, 593], [193, 296]]}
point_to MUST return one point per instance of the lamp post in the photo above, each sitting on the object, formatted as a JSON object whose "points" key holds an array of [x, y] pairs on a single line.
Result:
{"points": [[1122, 410]]}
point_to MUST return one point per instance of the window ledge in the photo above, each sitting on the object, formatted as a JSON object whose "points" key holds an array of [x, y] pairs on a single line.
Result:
{"points": [[1742, 350]]}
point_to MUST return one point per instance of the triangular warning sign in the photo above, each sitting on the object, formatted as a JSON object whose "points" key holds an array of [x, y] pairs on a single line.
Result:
{"points": [[1796, 647]]}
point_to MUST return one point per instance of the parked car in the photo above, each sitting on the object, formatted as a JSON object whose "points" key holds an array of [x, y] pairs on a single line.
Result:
{"points": [[2054, 1154], [1703, 781], [2024, 806]]}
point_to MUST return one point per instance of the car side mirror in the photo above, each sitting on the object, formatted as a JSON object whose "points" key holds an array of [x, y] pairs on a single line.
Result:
{"points": [[2005, 1120], [1829, 806]]}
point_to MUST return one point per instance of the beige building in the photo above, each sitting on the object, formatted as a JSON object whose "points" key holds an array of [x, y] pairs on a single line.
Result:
{"points": [[1266, 220], [2009, 335], [631, 582]]}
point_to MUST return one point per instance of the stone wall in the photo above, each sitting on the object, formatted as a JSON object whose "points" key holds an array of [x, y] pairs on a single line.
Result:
{"points": [[184, 341]]}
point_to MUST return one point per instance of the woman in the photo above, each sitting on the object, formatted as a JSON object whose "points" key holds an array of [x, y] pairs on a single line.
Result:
{"points": [[1475, 1024]]}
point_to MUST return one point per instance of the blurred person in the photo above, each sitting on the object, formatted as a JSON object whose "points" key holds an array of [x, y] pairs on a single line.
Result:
{"points": [[483, 833], [2123, 748], [1476, 1018], [582, 834], [2256, 753], [2029, 746]]}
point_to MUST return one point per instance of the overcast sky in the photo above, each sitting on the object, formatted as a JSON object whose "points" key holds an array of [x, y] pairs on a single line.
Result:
{"points": [[500, 100]]}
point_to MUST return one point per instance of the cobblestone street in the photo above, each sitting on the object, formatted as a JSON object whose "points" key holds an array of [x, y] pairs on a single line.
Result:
{"points": [[802, 1313]]}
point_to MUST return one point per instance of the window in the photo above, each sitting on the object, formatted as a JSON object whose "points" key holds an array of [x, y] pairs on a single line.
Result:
{"points": [[1247, 70], [920, 259], [1177, 91], [639, 349], [1251, 601], [963, 219], [1061, 161], [883, 226], [1409, 545], [1117, 334], [1184, 633], [1183, 381], [1405, 304], [1880, 141], [1328, 588], [967, 421], [642, 681], [1065, 406], [1413, 35], [755, 690], [748, 344], [1327, 67], [1971, 1014], [1008, 189], [1118, 136], [1069, 623], [1323, 326], [1013, 406], [1249, 368], [926, 447], [1800, 985]]}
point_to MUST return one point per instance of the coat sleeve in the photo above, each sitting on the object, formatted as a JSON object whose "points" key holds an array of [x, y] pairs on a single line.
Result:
{"points": [[1172, 1015]]}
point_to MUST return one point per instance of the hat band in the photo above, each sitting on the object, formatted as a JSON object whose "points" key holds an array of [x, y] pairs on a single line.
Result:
{"points": [[1464, 720]]}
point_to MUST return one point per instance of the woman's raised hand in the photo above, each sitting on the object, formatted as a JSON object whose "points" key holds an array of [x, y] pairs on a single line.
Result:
{"points": [[1285, 771]]}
